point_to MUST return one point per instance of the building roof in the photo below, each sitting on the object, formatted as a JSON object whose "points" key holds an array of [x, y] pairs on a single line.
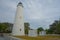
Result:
{"points": [[20, 4]]}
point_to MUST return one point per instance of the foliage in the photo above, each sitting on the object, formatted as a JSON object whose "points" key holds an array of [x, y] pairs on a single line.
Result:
{"points": [[26, 28], [54, 27], [4, 27], [39, 29]]}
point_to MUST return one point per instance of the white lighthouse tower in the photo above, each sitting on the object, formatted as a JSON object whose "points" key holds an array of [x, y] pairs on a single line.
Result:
{"points": [[18, 28]]}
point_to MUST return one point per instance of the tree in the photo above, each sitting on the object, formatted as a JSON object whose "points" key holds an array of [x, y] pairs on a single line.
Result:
{"points": [[2, 27], [55, 27], [39, 29], [48, 31], [6, 27], [26, 28]]}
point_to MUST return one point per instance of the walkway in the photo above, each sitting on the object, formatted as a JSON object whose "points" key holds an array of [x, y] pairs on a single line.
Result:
{"points": [[2, 38]]}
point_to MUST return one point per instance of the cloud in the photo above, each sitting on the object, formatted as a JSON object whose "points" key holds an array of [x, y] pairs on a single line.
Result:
{"points": [[42, 12], [7, 10], [36, 12]]}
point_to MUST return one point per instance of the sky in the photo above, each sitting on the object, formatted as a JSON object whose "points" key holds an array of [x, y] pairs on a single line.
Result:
{"points": [[39, 13]]}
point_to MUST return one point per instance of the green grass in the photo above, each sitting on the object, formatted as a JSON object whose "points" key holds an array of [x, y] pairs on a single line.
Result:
{"points": [[40, 37]]}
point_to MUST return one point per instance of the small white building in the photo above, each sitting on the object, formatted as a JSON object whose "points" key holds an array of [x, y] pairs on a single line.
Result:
{"points": [[42, 33], [32, 33]]}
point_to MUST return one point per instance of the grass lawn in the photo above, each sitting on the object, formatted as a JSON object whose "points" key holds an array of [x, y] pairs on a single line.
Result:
{"points": [[40, 37]]}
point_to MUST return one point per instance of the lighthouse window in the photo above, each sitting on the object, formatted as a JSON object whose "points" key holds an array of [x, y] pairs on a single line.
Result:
{"points": [[20, 29]]}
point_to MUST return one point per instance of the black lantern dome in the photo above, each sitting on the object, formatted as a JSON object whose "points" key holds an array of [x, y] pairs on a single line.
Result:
{"points": [[20, 4]]}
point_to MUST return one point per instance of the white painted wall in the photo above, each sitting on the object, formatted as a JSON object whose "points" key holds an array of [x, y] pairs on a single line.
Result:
{"points": [[18, 28], [32, 33], [42, 33]]}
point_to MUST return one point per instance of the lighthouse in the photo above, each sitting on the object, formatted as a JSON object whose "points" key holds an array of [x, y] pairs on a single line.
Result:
{"points": [[18, 27]]}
